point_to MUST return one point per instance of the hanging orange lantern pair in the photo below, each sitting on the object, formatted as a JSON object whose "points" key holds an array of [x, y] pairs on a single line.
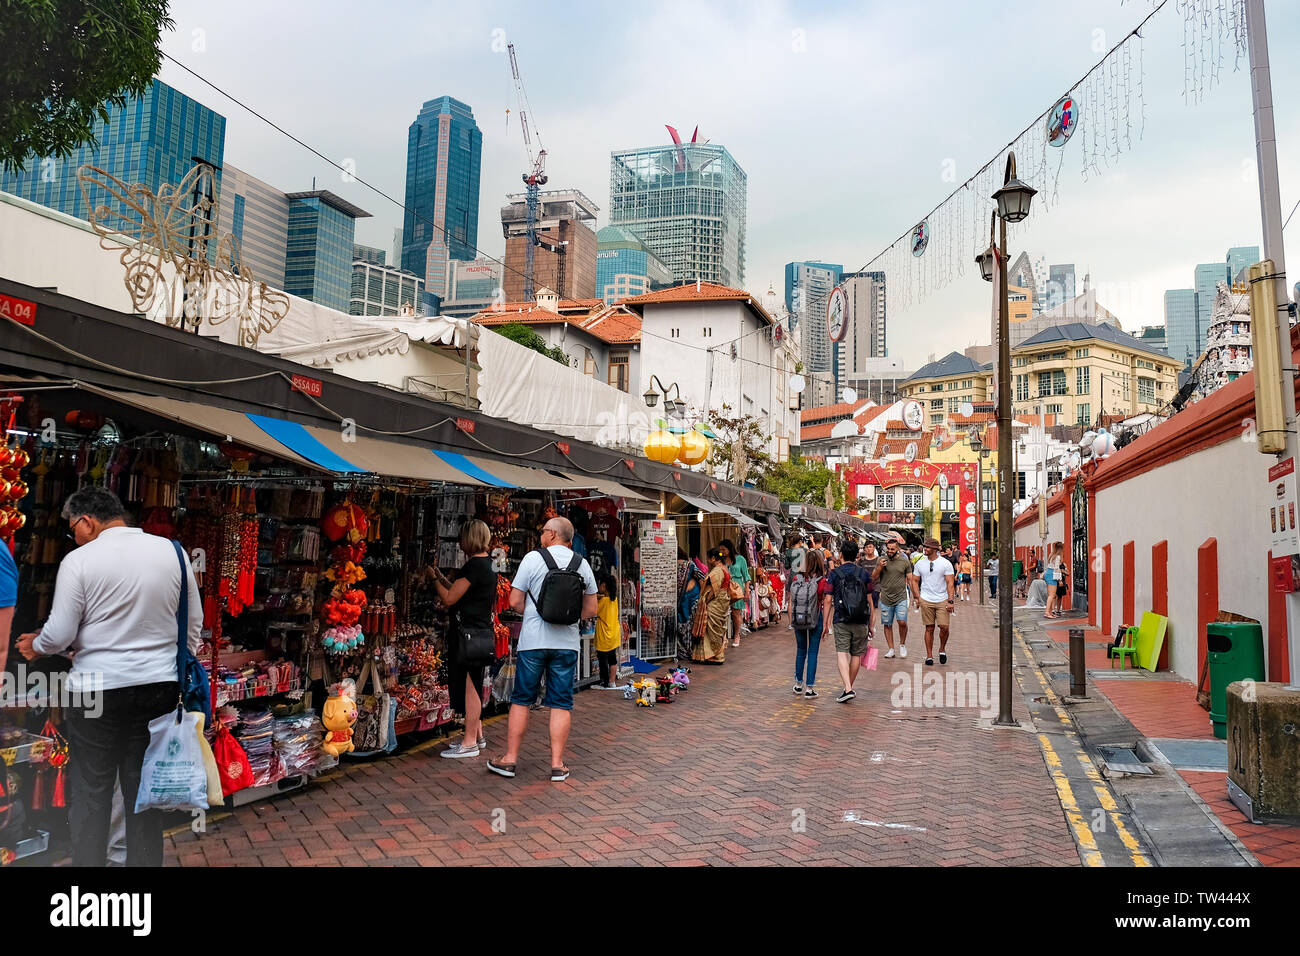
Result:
{"points": [[689, 448]]}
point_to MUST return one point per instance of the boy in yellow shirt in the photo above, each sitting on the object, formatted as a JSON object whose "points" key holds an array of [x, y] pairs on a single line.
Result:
{"points": [[609, 635]]}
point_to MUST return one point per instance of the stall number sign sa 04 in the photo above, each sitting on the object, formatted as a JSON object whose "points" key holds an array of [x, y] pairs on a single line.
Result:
{"points": [[17, 310]]}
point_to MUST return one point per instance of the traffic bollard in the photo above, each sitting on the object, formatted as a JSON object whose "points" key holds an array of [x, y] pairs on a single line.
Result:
{"points": [[1078, 669]]}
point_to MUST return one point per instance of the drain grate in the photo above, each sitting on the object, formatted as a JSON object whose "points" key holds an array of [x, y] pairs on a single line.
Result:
{"points": [[1123, 760], [1210, 756]]}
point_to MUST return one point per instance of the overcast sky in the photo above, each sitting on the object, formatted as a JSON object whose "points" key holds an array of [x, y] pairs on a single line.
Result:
{"points": [[845, 117]]}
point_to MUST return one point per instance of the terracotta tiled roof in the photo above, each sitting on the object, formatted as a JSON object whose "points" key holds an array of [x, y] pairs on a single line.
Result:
{"points": [[809, 433], [610, 324], [976, 419], [697, 292], [842, 410], [898, 446]]}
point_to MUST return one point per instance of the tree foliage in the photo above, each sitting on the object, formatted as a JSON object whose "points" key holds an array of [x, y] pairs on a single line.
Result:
{"points": [[740, 450], [799, 481], [529, 338], [64, 63]]}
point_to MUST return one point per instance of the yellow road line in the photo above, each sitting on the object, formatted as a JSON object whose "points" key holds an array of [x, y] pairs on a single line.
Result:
{"points": [[1090, 770], [1088, 850]]}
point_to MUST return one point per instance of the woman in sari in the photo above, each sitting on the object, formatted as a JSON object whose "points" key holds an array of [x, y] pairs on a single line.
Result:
{"points": [[716, 601]]}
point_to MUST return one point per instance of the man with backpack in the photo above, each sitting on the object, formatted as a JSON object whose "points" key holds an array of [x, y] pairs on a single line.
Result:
{"points": [[553, 590], [851, 589]]}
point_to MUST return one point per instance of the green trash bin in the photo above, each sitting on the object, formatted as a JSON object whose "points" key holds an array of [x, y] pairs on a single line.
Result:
{"points": [[1233, 652], [1017, 568]]}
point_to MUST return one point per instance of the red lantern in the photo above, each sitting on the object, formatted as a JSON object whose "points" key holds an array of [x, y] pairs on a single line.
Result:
{"points": [[345, 519], [17, 489], [20, 459], [6, 455]]}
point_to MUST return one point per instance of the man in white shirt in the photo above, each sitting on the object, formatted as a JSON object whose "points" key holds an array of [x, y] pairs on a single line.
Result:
{"points": [[115, 607], [934, 595], [545, 648]]}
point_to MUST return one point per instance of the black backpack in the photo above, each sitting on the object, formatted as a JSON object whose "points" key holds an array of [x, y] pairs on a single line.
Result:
{"points": [[851, 596], [559, 600]]}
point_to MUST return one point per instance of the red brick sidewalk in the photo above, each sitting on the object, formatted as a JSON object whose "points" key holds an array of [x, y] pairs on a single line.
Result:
{"points": [[737, 771]]}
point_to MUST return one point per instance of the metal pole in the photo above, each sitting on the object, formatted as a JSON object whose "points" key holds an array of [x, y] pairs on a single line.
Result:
{"points": [[1005, 529], [1078, 667], [1270, 209]]}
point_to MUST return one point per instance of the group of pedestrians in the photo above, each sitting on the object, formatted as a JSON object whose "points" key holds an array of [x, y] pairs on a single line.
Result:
{"points": [[842, 601]]}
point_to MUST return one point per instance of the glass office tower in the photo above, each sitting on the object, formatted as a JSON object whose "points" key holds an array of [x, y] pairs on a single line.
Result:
{"points": [[318, 261], [687, 204], [1180, 325], [152, 140], [444, 151]]}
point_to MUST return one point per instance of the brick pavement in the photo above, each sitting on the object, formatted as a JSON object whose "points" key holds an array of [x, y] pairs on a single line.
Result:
{"points": [[736, 772]]}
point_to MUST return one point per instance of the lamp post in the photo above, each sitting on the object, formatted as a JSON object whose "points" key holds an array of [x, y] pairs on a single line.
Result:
{"points": [[1013, 201], [672, 407]]}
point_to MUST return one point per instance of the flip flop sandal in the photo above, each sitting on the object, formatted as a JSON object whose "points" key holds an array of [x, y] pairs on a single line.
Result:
{"points": [[559, 774], [501, 769]]}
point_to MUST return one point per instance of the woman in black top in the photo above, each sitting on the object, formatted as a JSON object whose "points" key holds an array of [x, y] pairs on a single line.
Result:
{"points": [[470, 598]]}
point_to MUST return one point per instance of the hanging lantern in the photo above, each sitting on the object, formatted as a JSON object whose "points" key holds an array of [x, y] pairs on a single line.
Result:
{"points": [[662, 445], [345, 519], [694, 448]]}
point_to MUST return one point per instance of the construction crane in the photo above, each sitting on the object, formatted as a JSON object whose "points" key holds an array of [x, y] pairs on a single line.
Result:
{"points": [[535, 178]]}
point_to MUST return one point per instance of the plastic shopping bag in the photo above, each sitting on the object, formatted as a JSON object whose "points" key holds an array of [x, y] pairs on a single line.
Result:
{"points": [[870, 658], [173, 776], [232, 763], [215, 796]]}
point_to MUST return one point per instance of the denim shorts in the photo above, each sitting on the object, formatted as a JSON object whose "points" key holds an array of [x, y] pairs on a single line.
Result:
{"points": [[890, 611], [558, 666]]}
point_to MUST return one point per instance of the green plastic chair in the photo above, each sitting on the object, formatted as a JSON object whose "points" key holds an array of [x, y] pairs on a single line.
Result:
{"points": [[1124, 648]]}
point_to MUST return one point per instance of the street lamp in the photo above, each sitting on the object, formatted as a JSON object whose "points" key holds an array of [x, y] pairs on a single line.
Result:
{"points": [[1013, 201], [672, 407]]}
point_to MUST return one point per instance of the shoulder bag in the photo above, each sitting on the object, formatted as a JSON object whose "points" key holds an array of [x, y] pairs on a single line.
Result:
{"points": [[476, 644], [195, 686]]}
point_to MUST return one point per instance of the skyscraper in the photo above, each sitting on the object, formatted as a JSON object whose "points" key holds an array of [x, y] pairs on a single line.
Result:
{"points": [[625, 266], [1240, 258], [152, 140], [865, 340], [443, 154], [1060, 286], [564, 259], [1206, 281], [808, 287], [257, 214], [318, 261], [1180, 325], [687, 203]]}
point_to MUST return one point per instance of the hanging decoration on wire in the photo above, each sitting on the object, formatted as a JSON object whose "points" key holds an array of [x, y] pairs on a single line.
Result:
{"points": [[920, 237], [1062, 121], [1098, 118]]}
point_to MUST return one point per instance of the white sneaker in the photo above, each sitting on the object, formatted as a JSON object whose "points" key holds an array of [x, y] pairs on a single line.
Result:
{"points": [[798, 688], [454, 753], [902, 650], [889, 653]]}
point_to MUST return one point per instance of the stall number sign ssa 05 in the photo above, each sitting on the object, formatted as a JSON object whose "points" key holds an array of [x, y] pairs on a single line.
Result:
{"points": [[17, 310]]}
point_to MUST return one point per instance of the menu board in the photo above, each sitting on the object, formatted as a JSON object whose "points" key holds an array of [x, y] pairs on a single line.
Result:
{"points": [[658, 552]]}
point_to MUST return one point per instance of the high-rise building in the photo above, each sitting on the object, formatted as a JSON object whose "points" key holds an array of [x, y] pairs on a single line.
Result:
{"points": [[396, 256], [808, 288], [1030, 275], [1154, 336], [564, 259], [152, 140], [368, 254], [443, 154], [1239, 259], [256, 214], [688, 204], [1180, 325], [625, 266], [318, 261], [472, 286], [378, 289], [1206, 282], [865, 339], [1060, 286]]}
